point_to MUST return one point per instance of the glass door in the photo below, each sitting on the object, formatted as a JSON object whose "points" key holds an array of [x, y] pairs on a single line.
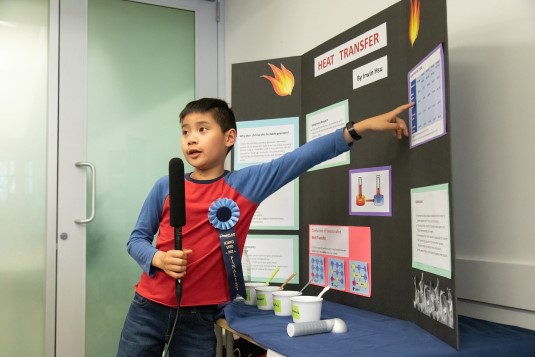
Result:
{"points": [[141, 62], [23, 175]]}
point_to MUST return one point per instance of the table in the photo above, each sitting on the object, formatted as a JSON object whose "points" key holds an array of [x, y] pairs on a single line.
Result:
{"points": [[372, 334], [221, 324]]}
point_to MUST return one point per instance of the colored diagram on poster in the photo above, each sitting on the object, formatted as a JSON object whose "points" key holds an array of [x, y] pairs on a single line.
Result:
{"points": [[340, 257], [317, 270], [427, 90], [337, 276], [370, 191], [359, 276]]}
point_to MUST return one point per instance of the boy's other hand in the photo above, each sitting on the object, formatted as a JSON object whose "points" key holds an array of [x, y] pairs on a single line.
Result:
{"points": [[172, 262], [389, 121]]}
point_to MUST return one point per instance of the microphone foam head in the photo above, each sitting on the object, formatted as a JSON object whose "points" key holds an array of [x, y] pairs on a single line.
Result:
{"points": [[177, 196]]}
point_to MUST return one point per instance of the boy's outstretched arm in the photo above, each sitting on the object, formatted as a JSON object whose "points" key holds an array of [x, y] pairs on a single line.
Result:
{"points": [[389, 121]]}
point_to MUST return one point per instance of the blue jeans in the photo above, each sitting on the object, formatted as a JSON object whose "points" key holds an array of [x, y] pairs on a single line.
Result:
{"points": [[148, 327]]}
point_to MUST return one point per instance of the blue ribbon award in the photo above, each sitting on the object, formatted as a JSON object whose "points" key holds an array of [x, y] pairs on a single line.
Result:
{"points": [[223, 214]]}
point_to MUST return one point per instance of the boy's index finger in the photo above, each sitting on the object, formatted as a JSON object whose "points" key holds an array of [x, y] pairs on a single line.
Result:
{"points": [[404, 107]]}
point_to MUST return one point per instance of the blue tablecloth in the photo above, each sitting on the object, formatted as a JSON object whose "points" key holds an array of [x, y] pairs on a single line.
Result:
{"points": [[372, 334]]}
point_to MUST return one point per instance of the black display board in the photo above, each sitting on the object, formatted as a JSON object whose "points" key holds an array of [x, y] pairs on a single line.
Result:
{"points": [[398, 289]]}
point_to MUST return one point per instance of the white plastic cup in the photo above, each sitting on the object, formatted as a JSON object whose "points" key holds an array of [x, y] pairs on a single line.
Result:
{"points": [[264, 297], [282, 305], [250, 292], [306, 308]]}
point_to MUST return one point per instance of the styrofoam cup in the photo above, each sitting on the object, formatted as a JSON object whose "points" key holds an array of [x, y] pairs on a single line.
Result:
{"points": [[250, 292], [306, 308], [282, 306], [264, 297]]}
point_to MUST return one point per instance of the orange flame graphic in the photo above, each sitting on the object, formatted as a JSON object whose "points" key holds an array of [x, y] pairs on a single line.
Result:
{"points": [[284, 81], [414, 21]]}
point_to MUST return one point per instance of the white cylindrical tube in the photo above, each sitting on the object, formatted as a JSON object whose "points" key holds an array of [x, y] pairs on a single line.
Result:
{"points": [[309, 328]]}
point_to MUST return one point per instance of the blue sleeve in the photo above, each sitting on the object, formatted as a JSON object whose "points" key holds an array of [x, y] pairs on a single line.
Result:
{"points": [[139, 245], [257, 182]]}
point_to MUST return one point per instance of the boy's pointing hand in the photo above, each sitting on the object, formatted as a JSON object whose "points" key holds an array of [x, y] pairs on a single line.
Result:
{"points": [[389, 121]]}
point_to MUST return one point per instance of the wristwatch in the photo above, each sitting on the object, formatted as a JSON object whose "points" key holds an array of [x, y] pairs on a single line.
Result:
{"points": [[352, 132]]}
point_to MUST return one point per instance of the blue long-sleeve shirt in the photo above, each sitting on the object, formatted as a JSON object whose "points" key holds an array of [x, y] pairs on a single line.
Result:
{"points": [[205, 282]]}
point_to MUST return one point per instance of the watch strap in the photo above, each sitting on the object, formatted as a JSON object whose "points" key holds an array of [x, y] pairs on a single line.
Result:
{"points": [[352, 132]]}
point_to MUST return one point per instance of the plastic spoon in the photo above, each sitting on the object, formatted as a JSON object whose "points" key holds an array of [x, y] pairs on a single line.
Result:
{"points": [[303, 288], [272, 276], [323, 291], [287, 280]]}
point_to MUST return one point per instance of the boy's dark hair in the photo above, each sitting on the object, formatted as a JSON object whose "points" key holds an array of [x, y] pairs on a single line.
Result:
{"points": [[220, 110]]}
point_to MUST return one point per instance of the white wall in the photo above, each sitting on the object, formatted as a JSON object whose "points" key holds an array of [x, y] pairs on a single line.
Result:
{"points": [[492, 89]]}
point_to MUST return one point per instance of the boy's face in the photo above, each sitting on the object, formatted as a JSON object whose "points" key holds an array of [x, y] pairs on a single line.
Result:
{"points": [[204, 144]]}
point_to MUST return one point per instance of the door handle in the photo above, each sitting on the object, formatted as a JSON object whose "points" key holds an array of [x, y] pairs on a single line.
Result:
{"points": [[93, 191]]}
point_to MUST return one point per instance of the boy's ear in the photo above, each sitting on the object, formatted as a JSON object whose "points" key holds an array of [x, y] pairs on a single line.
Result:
{"points": [[230, 137]]}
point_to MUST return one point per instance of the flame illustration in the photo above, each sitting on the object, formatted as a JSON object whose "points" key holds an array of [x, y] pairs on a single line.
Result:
{"points": [[414, 21], [283, 82]]}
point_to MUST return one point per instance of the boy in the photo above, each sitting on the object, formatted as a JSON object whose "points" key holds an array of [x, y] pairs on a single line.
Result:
{"points": [[212, 195]]}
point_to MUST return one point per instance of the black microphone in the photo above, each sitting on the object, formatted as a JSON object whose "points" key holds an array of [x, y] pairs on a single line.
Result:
{"points": [[177, 208]]}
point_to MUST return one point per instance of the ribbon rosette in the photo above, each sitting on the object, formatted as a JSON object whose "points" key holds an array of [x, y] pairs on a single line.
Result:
{"points": [[223, 214]]}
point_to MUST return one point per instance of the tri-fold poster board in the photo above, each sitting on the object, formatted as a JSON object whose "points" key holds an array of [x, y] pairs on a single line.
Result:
{"points": [[374, 223]]}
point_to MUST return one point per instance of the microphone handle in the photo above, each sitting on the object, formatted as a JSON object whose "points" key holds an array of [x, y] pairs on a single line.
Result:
{"points": [[178, 246]]}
